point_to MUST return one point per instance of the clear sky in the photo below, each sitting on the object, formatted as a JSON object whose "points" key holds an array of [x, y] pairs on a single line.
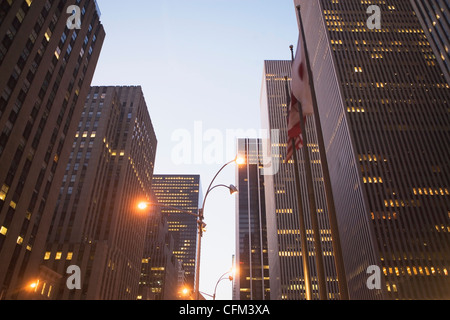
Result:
{"points": [[200, 65]]}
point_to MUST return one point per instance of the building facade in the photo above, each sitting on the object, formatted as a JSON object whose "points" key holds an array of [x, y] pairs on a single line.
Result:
{"points": [[184, 192], [435, 18], [45, 74], [162, 275], [251, 260], [383, 101], [96, 225], [287, 281]]}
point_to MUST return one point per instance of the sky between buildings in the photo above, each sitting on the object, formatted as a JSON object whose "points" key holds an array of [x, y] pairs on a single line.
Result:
{"points": [[200, 65]]}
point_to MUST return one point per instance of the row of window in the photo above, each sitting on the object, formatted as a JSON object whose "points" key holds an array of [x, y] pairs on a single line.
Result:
{"points": [[58, 256]]}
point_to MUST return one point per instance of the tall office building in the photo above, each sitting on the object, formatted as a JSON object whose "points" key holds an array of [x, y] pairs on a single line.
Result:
{"points": [[96, 224], [383, 108], [435, 18], [287, 279], [184, 192], [252, 279], [160, 275], [45, 73]]}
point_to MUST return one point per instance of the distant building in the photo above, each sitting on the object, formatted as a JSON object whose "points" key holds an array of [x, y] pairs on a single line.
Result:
{"points": [[162, 275], [184, 192], [45, 74], [252, 264]]}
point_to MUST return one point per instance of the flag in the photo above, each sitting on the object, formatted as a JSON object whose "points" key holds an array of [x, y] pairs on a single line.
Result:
{"points": [[300, 80], [301, 97], [294, 128]]}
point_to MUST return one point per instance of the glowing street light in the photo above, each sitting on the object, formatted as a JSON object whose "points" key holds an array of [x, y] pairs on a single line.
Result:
{"points": [[240, 160], [143, 205], [33, 286]]}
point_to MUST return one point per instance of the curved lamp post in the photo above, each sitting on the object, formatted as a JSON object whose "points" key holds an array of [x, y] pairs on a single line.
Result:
{"points": [[200, 218], [233, 190], [231, 277]]}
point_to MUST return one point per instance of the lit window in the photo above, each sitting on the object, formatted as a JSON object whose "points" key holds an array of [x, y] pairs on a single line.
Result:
{"points": [[3, 231], [58, 256], [49, 291], [57, 53], [47, 255], [19, 240], [48, 35], [43, 288], [4, 192]]}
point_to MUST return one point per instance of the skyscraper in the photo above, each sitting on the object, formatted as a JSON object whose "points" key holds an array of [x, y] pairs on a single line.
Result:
{"points": [[96, 225], [287, 280], [183, 192], [252, 262], [45, 73], [383, 108], [435, 19], [160, 275]]}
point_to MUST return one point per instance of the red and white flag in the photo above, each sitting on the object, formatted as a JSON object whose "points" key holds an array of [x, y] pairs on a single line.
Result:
{"points": [[301, 96], [294, 129], [300, 80]]}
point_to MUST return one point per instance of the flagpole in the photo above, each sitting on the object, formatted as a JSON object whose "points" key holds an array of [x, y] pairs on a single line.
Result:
{"points": [[321, 279], [336, 242], [302, 227]]}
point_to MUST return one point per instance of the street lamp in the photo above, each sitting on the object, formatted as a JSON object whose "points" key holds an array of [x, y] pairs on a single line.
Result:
{"points": [[185, 293], [223, 277], [240, 160], [233, 190], [34, 285], [143, 205]]}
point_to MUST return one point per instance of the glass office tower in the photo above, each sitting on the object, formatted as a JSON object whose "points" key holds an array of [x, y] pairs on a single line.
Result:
{"points": [[252, 279], [383, 104], [287, 279], [435, 19], [184, 192]]}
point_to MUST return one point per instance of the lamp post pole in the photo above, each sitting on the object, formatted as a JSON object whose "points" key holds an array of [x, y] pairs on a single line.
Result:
{"points": [[200, 225], [200, 222], [221, 279], [199, 250]]}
